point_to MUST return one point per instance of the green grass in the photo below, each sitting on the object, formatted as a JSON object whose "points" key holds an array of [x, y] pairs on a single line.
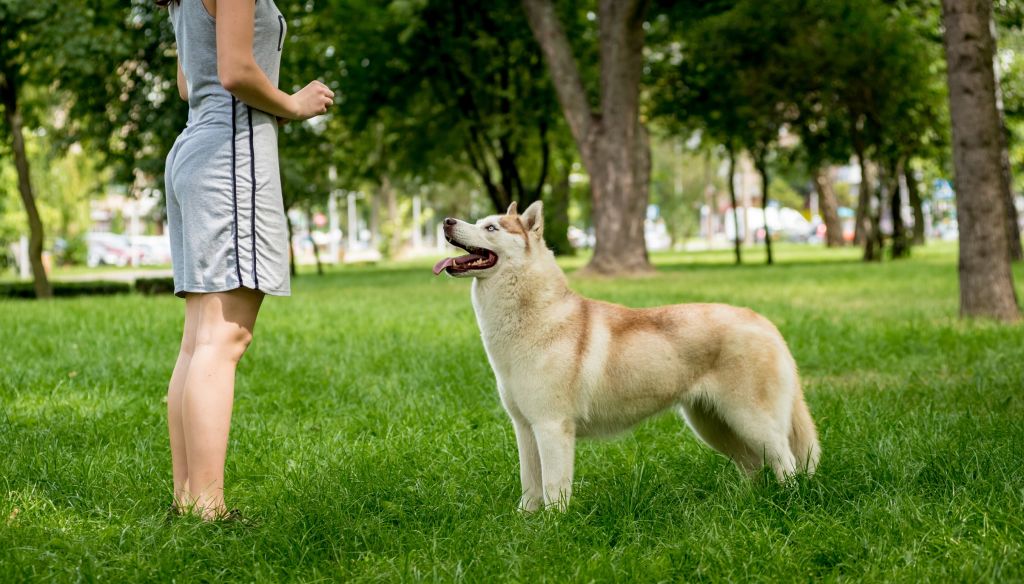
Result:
{"points": [[369, 443]]}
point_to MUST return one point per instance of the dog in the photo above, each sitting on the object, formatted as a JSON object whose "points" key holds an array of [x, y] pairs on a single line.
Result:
{"points": [[568, 367]]}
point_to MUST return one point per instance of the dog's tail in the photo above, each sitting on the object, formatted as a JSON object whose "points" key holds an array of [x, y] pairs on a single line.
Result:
{"points": [[803, 437]]}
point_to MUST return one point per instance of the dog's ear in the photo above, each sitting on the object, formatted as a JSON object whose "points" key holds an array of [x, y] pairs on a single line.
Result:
{"points": [[512, 209], [533, 218]]}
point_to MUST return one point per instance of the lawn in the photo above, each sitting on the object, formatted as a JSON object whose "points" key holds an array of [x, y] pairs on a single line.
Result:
{"points": [[369, 443]]}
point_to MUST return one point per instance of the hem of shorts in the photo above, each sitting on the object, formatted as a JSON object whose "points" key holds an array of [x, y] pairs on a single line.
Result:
{"points": [[181, 292]]}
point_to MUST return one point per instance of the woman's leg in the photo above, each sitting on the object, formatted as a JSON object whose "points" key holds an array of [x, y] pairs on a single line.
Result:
{"points": [[226, 321], [175, 390]]}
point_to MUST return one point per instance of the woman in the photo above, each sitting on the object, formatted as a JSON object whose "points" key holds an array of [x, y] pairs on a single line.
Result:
{"points": [[229, 241]]}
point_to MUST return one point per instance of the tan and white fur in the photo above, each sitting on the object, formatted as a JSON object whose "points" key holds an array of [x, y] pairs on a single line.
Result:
{"points": [[569, 367]]}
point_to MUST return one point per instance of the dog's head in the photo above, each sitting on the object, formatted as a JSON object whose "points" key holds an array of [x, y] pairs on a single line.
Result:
{"points": [[493, 243]]}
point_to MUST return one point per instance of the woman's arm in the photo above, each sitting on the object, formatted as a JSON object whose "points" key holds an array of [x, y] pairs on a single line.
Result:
{"points": [[182, 85], [239, 73]]}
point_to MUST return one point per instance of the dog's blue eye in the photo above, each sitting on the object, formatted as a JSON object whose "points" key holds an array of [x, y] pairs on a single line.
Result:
{"points": [[491, 228]]}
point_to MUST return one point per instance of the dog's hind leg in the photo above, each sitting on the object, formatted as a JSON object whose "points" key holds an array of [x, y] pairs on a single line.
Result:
{"points": [[713, 431], [762, 433], [556, 442], [752, 433]]}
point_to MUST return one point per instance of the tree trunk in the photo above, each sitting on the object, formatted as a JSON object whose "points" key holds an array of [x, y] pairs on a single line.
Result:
{"points": [[556, 213], [916, 204], [829, 207], [900, 244], [762, 168], [986, 281], [1012, 224], [1010, 206], [316, 250], [374, 220], [291, 244], [874, 242], [737, 240], [614, 145], [12, 116], [862, 221], [395, 241]]}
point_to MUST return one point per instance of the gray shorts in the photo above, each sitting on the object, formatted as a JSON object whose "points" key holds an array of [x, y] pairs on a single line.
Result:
{"points": [[224, 207]]}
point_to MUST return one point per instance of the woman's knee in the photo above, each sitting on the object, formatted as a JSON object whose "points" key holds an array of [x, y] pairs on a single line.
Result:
{"points": [[227, 339]]}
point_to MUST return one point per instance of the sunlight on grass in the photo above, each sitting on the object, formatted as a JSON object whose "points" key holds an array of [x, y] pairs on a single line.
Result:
{"points": [[368, 442]]}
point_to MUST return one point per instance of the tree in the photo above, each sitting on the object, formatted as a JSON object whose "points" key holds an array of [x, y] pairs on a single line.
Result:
{"points": [[732, 80], [829, 206], [613, 142], [81, 64], [479, 98], [737, 239], [986, 280], [25, 24]]}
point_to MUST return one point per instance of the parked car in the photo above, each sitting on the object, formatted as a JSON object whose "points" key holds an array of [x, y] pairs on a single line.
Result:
{"points": [[113, 249]]}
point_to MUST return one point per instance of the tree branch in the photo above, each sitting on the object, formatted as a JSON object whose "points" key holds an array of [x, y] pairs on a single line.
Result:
{"points": [[564, 73]]}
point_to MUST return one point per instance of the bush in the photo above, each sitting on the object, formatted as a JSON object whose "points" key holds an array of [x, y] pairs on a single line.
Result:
{"points": [[152, 286], [65, 289]]}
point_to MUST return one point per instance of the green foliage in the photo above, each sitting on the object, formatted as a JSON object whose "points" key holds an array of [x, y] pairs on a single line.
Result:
{"points": [[64, 182], [844, 195], [680, 179], [844, 74], [369, 443], [12, 214], [96, 73], [784, 194], [432, 89], [1011, 61]]}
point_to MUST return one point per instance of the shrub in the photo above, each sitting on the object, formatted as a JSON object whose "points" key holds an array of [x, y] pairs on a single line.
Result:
{"points": [[152, 286], [65, 289]]}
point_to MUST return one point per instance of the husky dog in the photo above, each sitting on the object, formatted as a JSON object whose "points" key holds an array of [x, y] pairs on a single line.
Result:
{"points": [[570, 367]]}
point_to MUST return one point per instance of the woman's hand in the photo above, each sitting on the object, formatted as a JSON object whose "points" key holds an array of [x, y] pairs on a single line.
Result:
{"points": [[243, 78], [312, 100]]}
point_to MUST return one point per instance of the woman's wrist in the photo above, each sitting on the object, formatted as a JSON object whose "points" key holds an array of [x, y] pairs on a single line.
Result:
{"points": [[291, 107]]}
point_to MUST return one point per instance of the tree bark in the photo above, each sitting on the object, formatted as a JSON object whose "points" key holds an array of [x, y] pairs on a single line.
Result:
{"points": [[613, 145], [874, 242], [916, 204], [986, 280], [900, 244], [829, 206], [762, 168], [737, 240], [865, 191], [12, 115]]}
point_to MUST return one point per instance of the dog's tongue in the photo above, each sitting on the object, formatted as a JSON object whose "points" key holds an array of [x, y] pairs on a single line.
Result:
{"points": [[441, 265]]}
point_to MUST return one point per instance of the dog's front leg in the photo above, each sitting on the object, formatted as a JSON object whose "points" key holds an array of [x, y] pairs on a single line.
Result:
{"points": [[529, 466], [556, 442]]}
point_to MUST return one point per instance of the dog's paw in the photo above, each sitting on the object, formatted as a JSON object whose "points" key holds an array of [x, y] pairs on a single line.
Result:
{"points": [[528, 504], [560, 505]]}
